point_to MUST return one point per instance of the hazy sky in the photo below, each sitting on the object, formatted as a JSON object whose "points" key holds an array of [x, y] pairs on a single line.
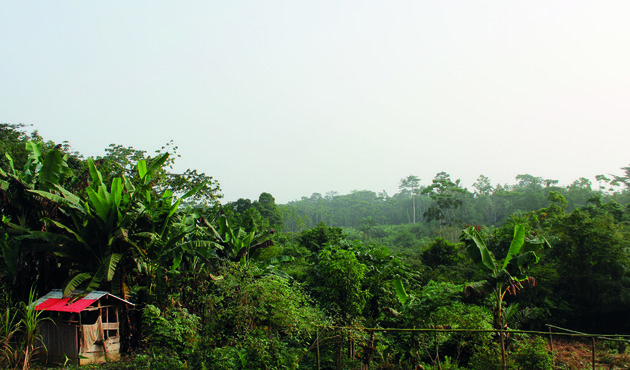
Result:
{"points": [[295, 97]]}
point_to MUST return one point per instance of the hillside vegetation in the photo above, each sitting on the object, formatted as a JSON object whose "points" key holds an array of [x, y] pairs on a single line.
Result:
{"points": [[259, 285]]}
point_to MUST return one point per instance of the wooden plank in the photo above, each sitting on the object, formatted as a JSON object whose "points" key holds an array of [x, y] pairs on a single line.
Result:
{"points": [[110, 326], [61, 340]]}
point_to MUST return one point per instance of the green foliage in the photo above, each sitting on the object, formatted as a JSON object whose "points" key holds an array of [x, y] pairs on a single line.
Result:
{"points": [[9, 327], [447, 197], [124, 223], [265, 320], [523, 353], [154, 358], [531, 353], [20, 340], [235, 243], [590, 250], [507, 277], [120, 161], [488, 357], [268, 209], [440, 305], [30, 341], [318, 237], [411, 185], [442, 260], [441, 253], [95, 234], [341, 291], [175, 329]]}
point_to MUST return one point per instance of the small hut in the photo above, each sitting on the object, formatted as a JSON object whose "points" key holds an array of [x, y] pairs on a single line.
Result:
{"points": [[84, 328]]}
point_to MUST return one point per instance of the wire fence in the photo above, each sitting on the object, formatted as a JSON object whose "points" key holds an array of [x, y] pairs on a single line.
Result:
{"points": [[356, 347]]}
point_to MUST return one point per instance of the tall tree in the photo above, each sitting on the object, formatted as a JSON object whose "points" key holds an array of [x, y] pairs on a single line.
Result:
{"points": [[446, 195], [411, 184], [268, 209]]}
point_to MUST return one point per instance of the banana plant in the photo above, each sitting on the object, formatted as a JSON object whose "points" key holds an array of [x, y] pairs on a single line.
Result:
{"points": [[504, 277], [236, 244], [39, 173], [173, 241], [22, 211], [98, 228], [509, 275]]}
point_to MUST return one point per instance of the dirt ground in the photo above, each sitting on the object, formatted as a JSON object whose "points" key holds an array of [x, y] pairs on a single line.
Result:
{"points": [[572, 354]]}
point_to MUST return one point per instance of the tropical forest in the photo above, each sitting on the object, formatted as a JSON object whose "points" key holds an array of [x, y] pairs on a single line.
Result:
{"points": [[528, 275]]}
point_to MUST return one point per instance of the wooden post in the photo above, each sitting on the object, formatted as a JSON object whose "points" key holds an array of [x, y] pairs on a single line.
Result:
{"points": [[593, 350], [317, 340], [553, 358], [503, 358]]}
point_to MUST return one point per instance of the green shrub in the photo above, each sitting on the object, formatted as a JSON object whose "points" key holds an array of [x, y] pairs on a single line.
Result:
{"points": [[488, 357], [525, 353], [252, 319], [531, 354], [175, 330]]}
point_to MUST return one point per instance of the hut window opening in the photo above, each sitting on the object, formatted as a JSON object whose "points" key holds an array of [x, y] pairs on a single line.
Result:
{"points": [[110, 321], [89, 317], [69, 318]]}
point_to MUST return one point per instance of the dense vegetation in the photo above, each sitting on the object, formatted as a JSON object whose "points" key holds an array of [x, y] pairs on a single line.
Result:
{"points": [[253, 284]]}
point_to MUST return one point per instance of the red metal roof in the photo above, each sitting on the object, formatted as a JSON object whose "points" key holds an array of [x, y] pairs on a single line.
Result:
{"points": [[64, 305], [54, 301]]}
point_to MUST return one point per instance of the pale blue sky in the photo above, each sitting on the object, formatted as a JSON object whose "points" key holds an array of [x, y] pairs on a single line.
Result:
{"points": [[295, 97]]}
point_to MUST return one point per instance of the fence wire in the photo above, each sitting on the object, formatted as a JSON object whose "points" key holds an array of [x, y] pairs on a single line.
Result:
{"points": [[356, 347]]}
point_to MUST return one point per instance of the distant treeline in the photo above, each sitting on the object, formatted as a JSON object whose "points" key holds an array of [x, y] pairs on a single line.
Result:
{"points": [[445, 202]]}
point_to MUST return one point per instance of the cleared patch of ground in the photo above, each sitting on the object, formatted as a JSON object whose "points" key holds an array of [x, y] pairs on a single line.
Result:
{"points": [[575, 354]]}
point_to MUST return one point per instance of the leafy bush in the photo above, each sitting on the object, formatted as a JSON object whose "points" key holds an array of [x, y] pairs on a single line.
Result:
{"points": [[531, 354], [488, 357], [157, 359], [175, 330], [525, 353], [263, 321]]}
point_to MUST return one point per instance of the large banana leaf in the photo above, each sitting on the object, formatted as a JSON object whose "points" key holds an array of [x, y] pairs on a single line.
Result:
{"points": [[100, 204], [74, 282], [146, 173], [478, 251], [492, 284], [142, 168], [105, 272], [97, 178], [60, 199], [402, 295], [53, 171], [535, 244], [76, 235], [11, 167], [517, 243], [523, 262], [110, 263]]}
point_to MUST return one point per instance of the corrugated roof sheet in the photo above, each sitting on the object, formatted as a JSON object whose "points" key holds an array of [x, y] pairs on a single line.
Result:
{"points": [[64, 305], [54, 301]]}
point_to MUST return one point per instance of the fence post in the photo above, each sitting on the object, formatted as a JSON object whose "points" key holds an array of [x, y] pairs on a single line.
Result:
{"points": [[593, 350], [553, 357], [317, 340]]}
